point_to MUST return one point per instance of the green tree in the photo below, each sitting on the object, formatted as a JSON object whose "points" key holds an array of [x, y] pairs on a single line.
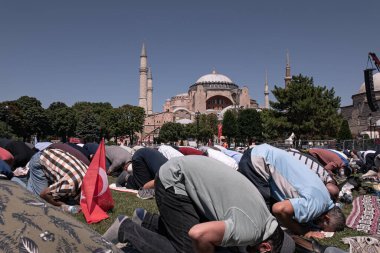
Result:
{"points": [[344, 131], [87, 127], [249, 125], [270, 124], [230, 126], [62, 120], [130, 120], [311, 112], [106, 117], [31, 117], [208, 127], [5, 130], [190, 131], [171, 132]]}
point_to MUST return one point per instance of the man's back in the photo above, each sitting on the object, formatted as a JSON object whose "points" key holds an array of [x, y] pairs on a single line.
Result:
{"points": [[291, 179], [221, 194]]}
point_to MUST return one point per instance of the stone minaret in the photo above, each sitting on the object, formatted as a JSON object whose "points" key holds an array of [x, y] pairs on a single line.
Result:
{"points": [[143, 78], [288, 77], [266, 91], [149, 92]]}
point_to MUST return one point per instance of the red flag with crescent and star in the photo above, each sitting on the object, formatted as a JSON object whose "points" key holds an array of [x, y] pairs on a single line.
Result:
{"points": [[220, 127], [96, 197]]}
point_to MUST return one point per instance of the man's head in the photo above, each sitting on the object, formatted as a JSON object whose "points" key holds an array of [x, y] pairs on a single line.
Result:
{"points": [[278, 242], [333, 220]]}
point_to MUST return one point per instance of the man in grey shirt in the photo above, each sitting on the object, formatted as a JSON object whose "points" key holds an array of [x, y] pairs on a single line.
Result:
{"points": [[118, 157], [204, 207]]}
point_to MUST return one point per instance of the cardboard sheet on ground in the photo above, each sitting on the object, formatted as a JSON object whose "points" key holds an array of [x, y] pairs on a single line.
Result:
{"points": [[122, 189], [29, 224]]}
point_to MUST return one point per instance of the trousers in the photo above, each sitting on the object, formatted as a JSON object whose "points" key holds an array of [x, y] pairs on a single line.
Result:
{"points": [[167, 232]]}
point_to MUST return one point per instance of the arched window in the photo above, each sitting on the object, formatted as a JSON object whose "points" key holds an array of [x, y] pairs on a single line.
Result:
{"points": [[218, 102]]}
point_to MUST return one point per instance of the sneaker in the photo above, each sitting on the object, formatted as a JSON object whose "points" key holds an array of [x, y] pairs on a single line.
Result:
{"points": [[112, 233], [145, 193], [138, 215]]}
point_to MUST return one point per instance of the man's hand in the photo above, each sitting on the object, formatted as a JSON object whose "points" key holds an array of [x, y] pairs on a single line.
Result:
{"points": [[314, 234], [46, 195]]}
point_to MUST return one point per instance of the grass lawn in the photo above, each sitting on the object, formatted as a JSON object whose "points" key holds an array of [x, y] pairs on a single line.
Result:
{"points": [[125, 204]]}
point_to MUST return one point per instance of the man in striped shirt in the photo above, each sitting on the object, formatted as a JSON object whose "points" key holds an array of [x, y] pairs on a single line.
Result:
{"points": [[318, 168], [56, 176]]}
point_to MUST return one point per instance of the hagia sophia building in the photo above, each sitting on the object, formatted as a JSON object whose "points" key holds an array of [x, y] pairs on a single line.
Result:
{"points": [[359, 116], [211, 93]]}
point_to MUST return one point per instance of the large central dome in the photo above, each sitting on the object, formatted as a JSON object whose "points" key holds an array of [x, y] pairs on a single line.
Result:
{"points": [[376, 84], [214, 78]]}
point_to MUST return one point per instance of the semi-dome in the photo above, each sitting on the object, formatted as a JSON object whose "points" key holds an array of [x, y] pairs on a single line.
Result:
{"points": [[214, 78], [376, 84]]}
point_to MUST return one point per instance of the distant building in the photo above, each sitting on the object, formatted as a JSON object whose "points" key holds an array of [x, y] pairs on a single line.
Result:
{"points": [[211, 93], [359, 116]]}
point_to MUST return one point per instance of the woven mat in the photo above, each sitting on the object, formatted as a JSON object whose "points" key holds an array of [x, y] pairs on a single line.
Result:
{"points": [[365, 214]]}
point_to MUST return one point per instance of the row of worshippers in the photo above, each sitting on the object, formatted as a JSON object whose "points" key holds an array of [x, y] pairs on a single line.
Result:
{"points": [[205, 205], [54, 171], [217, 214]]}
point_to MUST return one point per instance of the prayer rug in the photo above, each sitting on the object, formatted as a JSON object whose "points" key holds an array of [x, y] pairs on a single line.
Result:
{"points": [[122, 189], [360, 244], [365, 214], [29, 224]]}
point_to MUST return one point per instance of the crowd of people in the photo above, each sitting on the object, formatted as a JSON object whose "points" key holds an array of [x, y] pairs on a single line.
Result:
{"points": [[210, 199]]}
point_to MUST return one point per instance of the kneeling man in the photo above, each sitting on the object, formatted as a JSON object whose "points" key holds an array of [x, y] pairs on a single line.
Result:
{"points": [[204, 206], [56, 176], [301, 196]]}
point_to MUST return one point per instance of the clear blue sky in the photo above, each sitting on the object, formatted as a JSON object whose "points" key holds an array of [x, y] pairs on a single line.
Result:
{"points": [[73, 51]]}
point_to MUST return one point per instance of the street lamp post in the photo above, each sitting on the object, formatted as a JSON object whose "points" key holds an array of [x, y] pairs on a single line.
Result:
{"points": [[197, 114], [370, 125]]}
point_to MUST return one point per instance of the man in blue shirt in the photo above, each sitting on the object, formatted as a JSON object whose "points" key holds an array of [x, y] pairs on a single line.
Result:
{"points": [[301, 195]]}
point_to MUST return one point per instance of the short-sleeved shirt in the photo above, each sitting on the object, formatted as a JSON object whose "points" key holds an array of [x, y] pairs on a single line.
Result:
{"points": [[169, 152], [233, 154], [80, 149], [72, 151], [313, 164], [235, 201], [293, 180], [218, 155], [118, 157], [329, 159], [21, 153], [64, 172], [6, 156], [190, 151], [151, 158]]}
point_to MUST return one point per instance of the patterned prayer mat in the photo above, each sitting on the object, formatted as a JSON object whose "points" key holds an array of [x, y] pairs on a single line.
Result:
{"points": [[361, 244], [29, 224], [365, 214]]}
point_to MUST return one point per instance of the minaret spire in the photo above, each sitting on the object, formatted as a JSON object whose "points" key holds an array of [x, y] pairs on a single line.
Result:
{"points": [[143, 50], [288, 77], [266, 91], [149, 92], [143, 78]]}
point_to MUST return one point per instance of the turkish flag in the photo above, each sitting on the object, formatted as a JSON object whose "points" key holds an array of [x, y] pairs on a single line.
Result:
{"points": [[96, 197], [220, 127]]}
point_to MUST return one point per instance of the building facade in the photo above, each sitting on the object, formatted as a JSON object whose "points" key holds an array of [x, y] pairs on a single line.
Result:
{"points": [[359, 116], [211, 93]]}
